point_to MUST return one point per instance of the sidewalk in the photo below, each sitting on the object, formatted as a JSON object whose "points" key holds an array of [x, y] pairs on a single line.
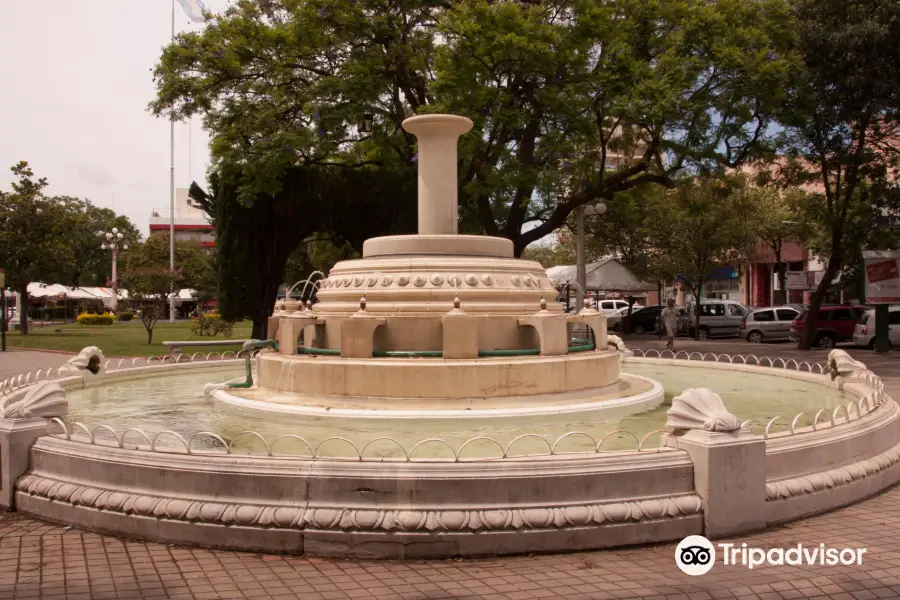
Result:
{"points": [[16, 362]]}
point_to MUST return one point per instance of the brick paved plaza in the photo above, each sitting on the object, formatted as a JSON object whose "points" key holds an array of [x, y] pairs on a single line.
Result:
{"points": [[39, 560]]}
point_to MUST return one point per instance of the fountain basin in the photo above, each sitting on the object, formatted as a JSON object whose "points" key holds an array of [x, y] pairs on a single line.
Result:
{"points": [[402, 488]]}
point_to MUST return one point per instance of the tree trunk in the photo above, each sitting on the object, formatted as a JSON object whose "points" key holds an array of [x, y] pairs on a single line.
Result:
{"points": [[149, 335], [809, 327], [23, 309], [259, 329], [697, 297]]}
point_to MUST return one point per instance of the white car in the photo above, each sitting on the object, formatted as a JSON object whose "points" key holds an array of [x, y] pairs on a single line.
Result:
{"points": [[614, 319], [864, 333]]}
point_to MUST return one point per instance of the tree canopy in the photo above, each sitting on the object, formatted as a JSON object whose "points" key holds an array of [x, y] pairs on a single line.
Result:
{"points": [[841, 121], [571, 101], [256, 237], [149, 279], [55, 239]]}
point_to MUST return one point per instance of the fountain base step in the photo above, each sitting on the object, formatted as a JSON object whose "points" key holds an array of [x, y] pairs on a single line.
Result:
{"points": [[630, 394]]}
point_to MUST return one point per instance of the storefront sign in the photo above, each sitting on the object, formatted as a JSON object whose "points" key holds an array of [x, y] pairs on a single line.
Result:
{"points": [[803, 280], [882, 276]]}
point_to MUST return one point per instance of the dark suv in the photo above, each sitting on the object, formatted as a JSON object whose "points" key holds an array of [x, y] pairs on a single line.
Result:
{"points": [[834, 324]]}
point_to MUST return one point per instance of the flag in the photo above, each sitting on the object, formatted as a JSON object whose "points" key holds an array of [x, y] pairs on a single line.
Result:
{"points": [[194, 10]]}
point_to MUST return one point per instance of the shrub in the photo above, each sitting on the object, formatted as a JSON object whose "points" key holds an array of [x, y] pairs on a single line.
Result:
{"points": [[125, 316], [95, 319], [211, 324]]}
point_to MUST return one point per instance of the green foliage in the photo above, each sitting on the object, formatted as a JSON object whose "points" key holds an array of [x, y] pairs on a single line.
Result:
{"points": [[255, 240], [149, 280], [95, 319], [841, 120], [630, 230], [52, 239], [211, 324], [560, 252], [556, 91], [706, 223], [319, 252], [125, 315]]}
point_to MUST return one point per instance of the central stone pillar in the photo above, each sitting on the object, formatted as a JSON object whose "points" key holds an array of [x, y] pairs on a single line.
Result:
{"points": [[437, 136]]}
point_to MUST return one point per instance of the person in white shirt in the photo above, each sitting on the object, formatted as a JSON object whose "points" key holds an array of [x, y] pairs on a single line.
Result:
{"points": [[669, 319]]}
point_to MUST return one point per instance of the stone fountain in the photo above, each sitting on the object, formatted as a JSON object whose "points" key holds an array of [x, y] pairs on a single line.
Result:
{"points": [[438, 323]]}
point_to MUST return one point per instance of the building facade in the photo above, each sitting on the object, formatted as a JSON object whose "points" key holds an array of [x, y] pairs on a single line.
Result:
{"points": [[191, 223]]}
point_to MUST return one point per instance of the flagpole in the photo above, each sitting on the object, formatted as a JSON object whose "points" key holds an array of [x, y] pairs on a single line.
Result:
{"points": [[172, 193]]}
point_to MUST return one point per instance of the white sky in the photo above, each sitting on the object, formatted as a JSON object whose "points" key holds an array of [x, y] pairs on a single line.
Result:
{"points": [[76, 78]]}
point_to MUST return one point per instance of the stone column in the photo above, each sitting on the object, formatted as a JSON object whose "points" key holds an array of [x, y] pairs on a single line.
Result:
{"points": [[730, 476], [437, 138], [16, 438], [729, 462]]}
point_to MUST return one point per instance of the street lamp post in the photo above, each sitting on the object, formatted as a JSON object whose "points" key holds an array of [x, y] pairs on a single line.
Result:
{"points": [[581, 267], [112, 240]]}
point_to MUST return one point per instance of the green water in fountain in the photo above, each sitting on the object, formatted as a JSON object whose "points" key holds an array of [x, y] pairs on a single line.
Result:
{"points": [[175, 401]]}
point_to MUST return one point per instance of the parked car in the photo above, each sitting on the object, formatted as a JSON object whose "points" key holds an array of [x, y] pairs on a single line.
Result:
{"points": [[864, 332], [644, 320], [609, 307], [834, 324], [614, 320], [717, 318], [768, 324]]}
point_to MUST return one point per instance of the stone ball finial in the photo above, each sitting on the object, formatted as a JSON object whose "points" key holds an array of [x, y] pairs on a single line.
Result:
{"points": [[309, 305], [703, 409], [543, 304], [456, 303], [587, 303], [362, 303]]}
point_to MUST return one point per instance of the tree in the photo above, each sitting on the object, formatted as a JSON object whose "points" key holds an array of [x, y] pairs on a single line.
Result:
{"points": [[841, 121], [630, 230], [706, 224], [560, 251], [149, 280], [778, 219], [149, 286], [255, 238], [91, 264], [34, 236], [614, 94]]}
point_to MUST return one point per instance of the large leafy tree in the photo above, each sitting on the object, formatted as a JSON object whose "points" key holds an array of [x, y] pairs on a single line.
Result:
{"points": [[708, 224], [842, 122], [572, 100], [256, 237], [35, 236], [91, 264]]}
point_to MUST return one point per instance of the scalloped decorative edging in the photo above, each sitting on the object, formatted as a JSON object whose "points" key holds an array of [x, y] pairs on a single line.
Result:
{"points": [[823, 480], [360, 519]]}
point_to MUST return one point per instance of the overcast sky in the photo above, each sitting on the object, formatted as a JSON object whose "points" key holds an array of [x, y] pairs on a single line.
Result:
{"points": [[76, 78]]}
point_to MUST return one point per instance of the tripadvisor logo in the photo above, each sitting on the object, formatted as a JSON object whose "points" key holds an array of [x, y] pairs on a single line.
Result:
{"points": [[696, 555]]}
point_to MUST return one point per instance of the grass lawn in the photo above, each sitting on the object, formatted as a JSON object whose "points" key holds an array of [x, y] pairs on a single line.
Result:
{"points": [[120, 339]]}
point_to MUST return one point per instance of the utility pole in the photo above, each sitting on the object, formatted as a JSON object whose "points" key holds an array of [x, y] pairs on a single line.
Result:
{"points": [[5, 316], [172, 194]]}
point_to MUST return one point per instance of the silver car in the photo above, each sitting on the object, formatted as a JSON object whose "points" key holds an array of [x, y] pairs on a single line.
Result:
{"points": [[767, 324]]}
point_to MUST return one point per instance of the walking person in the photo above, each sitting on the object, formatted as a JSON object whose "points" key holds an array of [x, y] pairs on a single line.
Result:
{"points": [[669, 319]]}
